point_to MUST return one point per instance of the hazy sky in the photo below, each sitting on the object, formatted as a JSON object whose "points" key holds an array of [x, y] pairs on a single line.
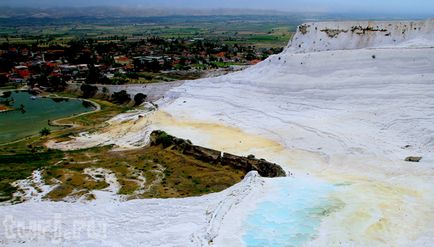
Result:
{"points": [[369, 6]]}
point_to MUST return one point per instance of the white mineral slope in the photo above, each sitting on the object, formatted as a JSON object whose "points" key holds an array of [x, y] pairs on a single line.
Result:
{"points": [[348, 116], [153, 222], [334, 102]]}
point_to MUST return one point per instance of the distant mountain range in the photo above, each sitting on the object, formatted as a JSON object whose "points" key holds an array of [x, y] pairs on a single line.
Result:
{"points": [[120, 12], [8, 12]]}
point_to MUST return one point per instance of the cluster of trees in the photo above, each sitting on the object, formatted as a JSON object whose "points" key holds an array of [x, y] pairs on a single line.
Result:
{"points": [[139, 99], [45, 131], [121, 97], [94, 76], [153, 65], [88, 90], [52, 83]]}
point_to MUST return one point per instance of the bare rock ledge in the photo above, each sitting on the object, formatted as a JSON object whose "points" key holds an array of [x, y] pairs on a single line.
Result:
{"points": [[247, 164]]}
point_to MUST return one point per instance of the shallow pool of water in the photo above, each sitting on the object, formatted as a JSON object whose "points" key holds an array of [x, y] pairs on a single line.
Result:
{"points": [[35, 114], [290, 214]]}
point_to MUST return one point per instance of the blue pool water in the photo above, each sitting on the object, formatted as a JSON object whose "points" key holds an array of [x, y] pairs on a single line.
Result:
{"points": [[290, 214]]}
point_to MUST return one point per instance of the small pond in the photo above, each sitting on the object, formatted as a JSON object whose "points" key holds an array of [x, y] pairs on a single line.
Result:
{"points": [[289, 216], [32, 113]]}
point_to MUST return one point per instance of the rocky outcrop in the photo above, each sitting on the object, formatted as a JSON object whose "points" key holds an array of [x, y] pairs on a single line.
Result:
{"points": [[413, 159], [263, 167], [332, 33], [247, 164]]}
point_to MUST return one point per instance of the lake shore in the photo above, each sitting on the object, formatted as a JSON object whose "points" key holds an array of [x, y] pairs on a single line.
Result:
{"points": [[57, 122], [4, 108]]}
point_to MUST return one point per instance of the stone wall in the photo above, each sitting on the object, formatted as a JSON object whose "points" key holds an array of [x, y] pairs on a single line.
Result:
{"points": [[250, 163]]}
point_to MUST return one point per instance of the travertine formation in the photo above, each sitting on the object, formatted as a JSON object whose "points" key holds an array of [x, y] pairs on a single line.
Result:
{"points": [[326, 36]]}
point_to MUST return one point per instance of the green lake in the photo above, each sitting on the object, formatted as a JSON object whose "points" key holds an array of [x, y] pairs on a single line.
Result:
{"points": [[34, 114]]}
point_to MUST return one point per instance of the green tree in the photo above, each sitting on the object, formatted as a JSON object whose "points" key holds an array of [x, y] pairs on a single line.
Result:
{"points": [[93, 75], [88, 90], [121, 97], [154, 65], [251, 56], [105, 80], [139, 99], [45, 131]]}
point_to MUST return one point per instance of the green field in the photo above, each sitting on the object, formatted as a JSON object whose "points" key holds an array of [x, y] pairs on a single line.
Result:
{"points": [[263, 31]]}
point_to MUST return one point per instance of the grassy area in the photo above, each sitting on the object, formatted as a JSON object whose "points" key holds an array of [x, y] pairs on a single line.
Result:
{"points": [[21, 166], [150, 172], [153, 77], [224, 64], [108, 110], [18, 159], [142, 173]]}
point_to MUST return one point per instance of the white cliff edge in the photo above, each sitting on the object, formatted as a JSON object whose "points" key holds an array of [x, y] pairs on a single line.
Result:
{"points": [[326, 36]]}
